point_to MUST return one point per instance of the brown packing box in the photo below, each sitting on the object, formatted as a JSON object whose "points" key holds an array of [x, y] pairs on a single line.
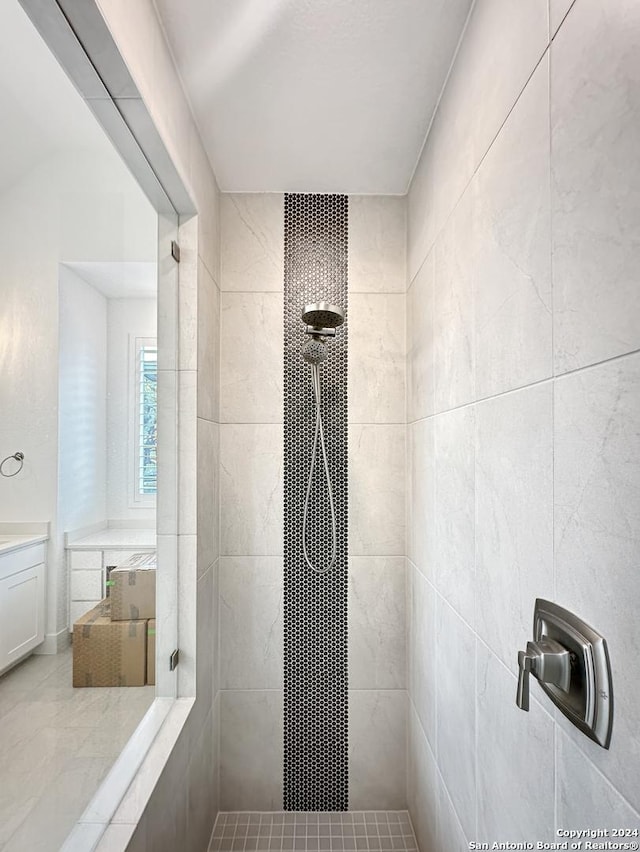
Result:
{"points": [[151, 651], [108, 653], [132, 588]]}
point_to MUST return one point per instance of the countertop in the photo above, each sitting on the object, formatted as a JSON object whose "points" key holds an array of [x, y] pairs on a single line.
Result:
{"points": [[9, 543], [116, 539]]}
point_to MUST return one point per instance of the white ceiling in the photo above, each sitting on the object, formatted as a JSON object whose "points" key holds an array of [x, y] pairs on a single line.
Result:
{"points": [[313, 95], [40, 111], [119, 279]]}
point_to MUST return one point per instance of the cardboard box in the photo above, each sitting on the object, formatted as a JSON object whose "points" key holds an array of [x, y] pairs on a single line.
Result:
{"points": [[108, 653], [151, 651], [132, 588]]}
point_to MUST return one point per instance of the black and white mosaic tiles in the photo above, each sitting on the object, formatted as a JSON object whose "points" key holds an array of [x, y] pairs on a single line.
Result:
{"points": [[315, 606], [369, 831]]}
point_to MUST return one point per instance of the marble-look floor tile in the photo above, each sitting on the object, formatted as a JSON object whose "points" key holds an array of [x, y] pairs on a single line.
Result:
{"points": [[57, 743]]}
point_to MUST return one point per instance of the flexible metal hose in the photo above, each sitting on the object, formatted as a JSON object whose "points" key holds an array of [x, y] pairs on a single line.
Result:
{"points": [[319, 433]]}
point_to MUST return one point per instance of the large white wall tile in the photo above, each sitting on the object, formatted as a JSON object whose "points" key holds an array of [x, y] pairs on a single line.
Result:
{"points": [[515, 760], [208, 504], [187, 451], [422, 652], [453, 328], [252, 233], [376, 490], [200, 779], [557, 11], [376, 358], [251, 370], [377, 749], [512, 281], [422, 788], [208, 345], [250, 621], [490, 70], [178, 317], [456, 712], [420, 211], [420, 342], [454, 516], [595, 116], [450, 835], [377, 622], [597, 476], [206, 628], [377, 244], [501, 66], [514, 516], [584, 797], [251, 750], [251, 489], [421, 495]]}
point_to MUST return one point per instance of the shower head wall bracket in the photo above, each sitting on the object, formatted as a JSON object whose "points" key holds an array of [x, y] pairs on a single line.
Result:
{"points": [[320, 332]]}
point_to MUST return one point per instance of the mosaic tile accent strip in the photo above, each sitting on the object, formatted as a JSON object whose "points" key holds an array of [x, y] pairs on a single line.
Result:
{"points": [[370, 831], [315, 606]]}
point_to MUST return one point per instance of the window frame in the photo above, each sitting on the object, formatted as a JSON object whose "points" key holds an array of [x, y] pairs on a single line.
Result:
{"points": [[137, 500]]}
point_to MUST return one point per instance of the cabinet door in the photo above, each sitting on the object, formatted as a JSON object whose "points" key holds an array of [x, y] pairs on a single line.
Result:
{"points": [[21, 614]]}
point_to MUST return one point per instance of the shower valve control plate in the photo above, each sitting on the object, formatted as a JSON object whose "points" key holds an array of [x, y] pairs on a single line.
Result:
{"points": [[582, 691]]}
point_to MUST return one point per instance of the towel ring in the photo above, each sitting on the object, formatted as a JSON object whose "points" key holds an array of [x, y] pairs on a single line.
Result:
{"points": [[19, 457]]}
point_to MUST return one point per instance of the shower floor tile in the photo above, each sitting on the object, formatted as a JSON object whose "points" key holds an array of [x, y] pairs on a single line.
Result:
{"points": [[320, 831]]}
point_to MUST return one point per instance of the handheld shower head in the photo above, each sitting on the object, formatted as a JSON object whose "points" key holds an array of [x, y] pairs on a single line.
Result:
{"points": [[314, 351]]}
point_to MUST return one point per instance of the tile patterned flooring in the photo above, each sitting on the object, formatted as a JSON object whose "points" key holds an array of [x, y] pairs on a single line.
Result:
{"points": [[382, 831], [57, 744]]}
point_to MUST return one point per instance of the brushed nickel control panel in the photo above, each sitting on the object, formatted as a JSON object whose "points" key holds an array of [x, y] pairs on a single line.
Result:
{"points": [[571, 662]]}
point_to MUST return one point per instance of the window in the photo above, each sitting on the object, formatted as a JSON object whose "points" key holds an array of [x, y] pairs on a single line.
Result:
{"points": [[146, 419]]}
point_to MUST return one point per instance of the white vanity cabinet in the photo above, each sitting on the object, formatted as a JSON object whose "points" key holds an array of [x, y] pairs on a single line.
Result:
{"points": [[22, 597]]}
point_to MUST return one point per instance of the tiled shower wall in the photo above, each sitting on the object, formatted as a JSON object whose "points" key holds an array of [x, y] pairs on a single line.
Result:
{"points": [[523, 333], [251, 480]]}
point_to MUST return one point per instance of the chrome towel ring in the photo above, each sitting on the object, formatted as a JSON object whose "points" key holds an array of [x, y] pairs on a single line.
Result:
{"points": [[19, 457]]}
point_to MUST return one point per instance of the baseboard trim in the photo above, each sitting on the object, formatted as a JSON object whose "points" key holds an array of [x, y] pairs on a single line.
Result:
{"points": [[54, 643]]}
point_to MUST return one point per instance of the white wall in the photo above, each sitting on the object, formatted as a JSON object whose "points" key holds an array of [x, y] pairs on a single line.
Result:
{"points": [[81, 205], [126, 318], [523, 316], [82, 413], [251, 482]]}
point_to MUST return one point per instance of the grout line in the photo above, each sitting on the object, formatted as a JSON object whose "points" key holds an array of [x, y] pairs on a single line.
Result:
{"points": [[522, 388]]}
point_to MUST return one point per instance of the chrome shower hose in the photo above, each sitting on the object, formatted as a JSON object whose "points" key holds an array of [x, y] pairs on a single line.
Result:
{"points": [[319, 434]]}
